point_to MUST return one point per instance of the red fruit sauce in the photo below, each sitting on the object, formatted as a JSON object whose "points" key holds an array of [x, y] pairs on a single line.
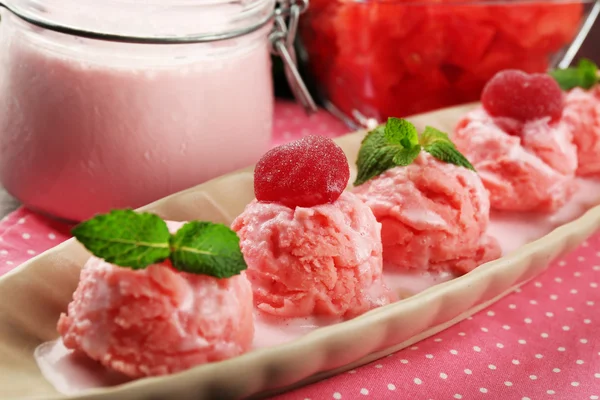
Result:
{"points": [[397, 58]]}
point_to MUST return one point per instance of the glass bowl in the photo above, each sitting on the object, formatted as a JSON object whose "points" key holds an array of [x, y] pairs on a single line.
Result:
{"points": [[369, 60]]}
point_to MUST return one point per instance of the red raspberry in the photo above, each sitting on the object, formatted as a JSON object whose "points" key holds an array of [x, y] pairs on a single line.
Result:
{"points": [[522, 96], [304, 173]]}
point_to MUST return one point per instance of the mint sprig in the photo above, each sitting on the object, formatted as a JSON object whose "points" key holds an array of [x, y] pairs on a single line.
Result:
{"points": [[585, 75], [136, 240], [387, 146], [397, 143]]}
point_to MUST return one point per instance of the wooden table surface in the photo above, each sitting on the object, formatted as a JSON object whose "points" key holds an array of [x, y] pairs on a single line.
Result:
{"points": [[590, 49]]}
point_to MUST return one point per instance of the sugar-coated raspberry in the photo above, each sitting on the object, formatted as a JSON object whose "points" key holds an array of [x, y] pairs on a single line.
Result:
{"points": [[304, 173], [522, 96]]}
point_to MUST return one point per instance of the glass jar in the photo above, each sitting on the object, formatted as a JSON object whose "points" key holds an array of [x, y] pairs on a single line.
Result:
{"points": [[372, 59], [88, 124]]}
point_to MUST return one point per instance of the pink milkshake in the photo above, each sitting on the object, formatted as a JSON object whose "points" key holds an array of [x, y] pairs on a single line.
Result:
{"points": [[88, 125]]}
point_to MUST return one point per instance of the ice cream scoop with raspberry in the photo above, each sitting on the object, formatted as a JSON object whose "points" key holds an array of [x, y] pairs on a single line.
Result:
{"points": [[520, 143], [311, 248]]}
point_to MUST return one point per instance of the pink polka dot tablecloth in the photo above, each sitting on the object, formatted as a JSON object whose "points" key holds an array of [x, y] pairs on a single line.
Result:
{"points": [[540, 342]]}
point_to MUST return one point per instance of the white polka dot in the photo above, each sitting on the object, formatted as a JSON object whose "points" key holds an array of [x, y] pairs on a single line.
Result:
{"points": [[491, 313], [484, 329], [403, 361], [507, 383], [414, 348], [477, 348], [417, 381], [499, 345], [21, 221], [533, 302], [587, 321], [31, 252], [589, 303], [562, 263], [537, 284], [585, 244], [3, 252], [558, 280], [364, 391], [437, 340], [8, 262], [557, 370], [584, 341], [51, 236], [379, 366], [550, 391], [544, 335], [573, 291], [532, 377], [468, 371], [549, 314], [525, 398], [561, 349], [596, 267], [505, 327], [430, 356], [516, 362], [483, 390], [596, 375], [26, 236], [518, 290], [577, 274], [580, 258], [512, 306], [491, 366], [391, 386], [594, 285], [566, 328], [461, 334], [469, 318], [453, 352], [594, 397], [579, 362], [457, 396], [553, 297], [539, 356], [337, 395], [352, 371], [570, 309], [521, 341], [575, 384], [528, 320], [443, 375]]}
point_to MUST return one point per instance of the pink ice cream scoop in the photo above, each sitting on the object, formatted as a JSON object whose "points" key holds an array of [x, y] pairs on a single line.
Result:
{"points": [[582, 115], [525, 166], [323, 260], [157, 320], [434, 216]]}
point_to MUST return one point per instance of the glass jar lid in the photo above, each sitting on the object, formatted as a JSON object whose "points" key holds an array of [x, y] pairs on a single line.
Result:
{"points": [[162, 21]]}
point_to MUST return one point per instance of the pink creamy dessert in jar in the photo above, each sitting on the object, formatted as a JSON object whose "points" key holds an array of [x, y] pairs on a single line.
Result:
{"points": [[87, 124]]}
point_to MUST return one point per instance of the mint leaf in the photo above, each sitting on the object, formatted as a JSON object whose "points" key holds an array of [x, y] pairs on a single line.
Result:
{"points": [[401, 131], [585, 75], [125, 238], [208, 249], [387, 146], [439, 145]]}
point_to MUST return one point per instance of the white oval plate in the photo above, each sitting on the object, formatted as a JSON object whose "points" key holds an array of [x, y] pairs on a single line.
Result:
{"points": [[33, 295]]}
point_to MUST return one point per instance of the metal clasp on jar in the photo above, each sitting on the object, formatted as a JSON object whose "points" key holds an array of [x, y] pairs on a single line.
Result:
{"points": [[282, 44]]}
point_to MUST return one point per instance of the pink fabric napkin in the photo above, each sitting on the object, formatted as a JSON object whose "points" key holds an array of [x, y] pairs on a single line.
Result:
{"points": [[540, 342]]}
